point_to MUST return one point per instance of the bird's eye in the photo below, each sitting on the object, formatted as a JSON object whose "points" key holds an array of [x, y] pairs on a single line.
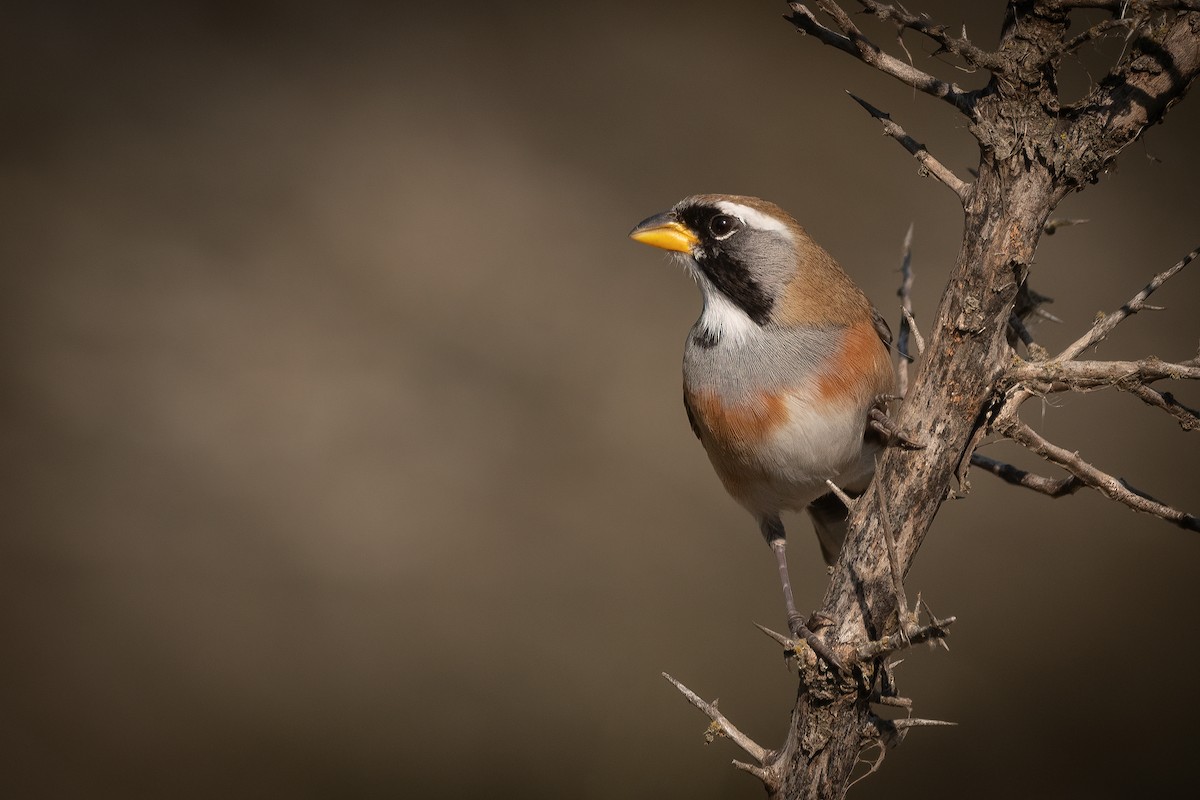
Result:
{"points": [[722, 226]]}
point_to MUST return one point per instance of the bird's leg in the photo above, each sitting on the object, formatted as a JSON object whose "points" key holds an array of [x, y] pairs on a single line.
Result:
{"points": [[772, 529], [795, 620]]}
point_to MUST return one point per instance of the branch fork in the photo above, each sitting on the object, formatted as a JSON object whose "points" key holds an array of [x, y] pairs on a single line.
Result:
{"points": [[1065, 373]]}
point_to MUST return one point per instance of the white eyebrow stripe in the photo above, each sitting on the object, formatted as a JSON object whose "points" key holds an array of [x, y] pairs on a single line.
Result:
{"points": [[754, 218]]}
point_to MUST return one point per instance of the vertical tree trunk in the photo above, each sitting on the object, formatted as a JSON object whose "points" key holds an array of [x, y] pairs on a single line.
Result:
{"points": [[968, 351]]}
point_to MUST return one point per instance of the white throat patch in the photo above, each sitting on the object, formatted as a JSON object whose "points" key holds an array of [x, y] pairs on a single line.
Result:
{"points": [[721, 319]]}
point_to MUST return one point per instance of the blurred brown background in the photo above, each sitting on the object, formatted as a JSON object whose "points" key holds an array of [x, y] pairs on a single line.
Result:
{"points": [[343, 441]]}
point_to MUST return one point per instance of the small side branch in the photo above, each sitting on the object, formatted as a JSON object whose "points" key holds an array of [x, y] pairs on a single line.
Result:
{"points": [[1129, 376], [1053, 225], [1082, 376], [907, 323], [1188, 418], [937, 629], [904, 723], [889, 538], [851, 40], [960, 46], [1027, 379], [1095, 32], [1019, 477], [846, 499], [1108, 322], [721, 725], [1106, 484], [928, 163], [889, 732]]}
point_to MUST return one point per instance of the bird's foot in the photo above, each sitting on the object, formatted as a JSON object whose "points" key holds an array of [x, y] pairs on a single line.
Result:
{"points": [[801, 632], [882, 423]]}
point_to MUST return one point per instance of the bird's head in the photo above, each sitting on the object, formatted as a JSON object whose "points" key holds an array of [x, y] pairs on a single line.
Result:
{"points": [[753, 262]]}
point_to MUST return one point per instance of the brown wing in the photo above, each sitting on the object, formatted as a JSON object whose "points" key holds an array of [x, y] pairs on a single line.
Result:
{"points": [[885, 331], [881, 327], [829, 521]]}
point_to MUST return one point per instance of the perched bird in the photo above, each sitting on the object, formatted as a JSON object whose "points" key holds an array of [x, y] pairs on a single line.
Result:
{"points": [[783, 369]]}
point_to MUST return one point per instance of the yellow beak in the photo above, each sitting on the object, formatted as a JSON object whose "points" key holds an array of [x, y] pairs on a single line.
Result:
{"points": [[663, 230]]}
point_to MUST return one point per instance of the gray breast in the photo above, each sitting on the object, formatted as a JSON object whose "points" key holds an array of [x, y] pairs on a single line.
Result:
{"points": [[773, 358]]}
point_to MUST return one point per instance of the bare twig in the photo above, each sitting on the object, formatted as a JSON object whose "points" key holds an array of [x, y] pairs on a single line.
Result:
{"points": [[912, 634], [1082, 376], [1106, 484], [1063, 374], [1019, 393], [1189, 418], [846, 499], [1105, 324], [892, 732], [960, 46], [910, 722], [916, 332], [1053, 225], [724, 726], [929, 164], [906, 327], [762, 773], [889, 538], [886, 645], [851, 40], [891, 700], [1019, 477], [784, 641], [933, 620], [1094, 32], [1036, 351]]}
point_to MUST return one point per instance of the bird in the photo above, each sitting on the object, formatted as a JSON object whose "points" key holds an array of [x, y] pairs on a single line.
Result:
{"points": [[786, 373]]}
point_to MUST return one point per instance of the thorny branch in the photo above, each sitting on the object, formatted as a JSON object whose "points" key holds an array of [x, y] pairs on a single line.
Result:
{"points": [[928, 163], [1094, 32], [1188, 418], [1083, 376], [937, 629], [960, 46], [1105, 325], [1110, 486], [1063, 373], [851, 40], [1019, 477], [722, 726]]}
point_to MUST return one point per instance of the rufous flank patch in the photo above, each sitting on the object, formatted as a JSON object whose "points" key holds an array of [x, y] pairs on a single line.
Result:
{"points": [[747, 422]]}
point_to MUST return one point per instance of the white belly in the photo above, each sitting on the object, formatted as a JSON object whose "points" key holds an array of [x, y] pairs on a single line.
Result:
{"points": [[788, 469]]}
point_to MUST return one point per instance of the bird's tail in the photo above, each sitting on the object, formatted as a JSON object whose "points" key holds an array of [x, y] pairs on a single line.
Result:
{"points": [[829, 516]]}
